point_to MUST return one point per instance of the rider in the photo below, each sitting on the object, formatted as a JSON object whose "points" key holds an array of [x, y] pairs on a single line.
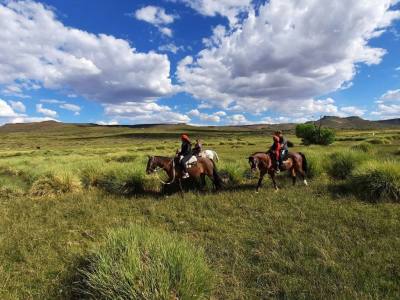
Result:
{"points": [[276, 150], [284, 147], [186, 152], [198, 147]]}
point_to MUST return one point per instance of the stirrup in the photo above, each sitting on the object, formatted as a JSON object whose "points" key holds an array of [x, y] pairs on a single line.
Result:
{"points": [[185, 175]]}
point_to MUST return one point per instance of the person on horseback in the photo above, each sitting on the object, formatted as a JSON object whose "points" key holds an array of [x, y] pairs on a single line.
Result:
{"points": [[186, 152], [198, 147], [284, 147], [275, 150]]}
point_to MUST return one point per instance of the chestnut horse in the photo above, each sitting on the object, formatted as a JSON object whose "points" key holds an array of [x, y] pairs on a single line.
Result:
{"points": [[296, 163], [204, 167]]}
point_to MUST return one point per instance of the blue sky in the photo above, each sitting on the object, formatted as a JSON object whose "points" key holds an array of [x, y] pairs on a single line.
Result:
{"points": [[201, 62]]}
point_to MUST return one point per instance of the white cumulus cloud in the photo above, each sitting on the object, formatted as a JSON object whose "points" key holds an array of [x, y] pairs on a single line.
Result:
{"points": [[290, 51], [36, 47], [71, 107], [144, 113], [45, 111], [226, 8], [156, 16], [18, 106]]}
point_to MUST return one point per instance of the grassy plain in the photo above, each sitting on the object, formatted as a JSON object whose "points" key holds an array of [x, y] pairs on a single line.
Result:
{"points": [[62, 188]]}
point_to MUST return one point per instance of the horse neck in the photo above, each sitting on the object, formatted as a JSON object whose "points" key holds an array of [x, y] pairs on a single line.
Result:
{"points": [[163, 162]]}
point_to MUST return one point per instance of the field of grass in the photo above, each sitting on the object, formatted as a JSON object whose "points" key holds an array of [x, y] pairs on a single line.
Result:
{"points": [[65, 191]]}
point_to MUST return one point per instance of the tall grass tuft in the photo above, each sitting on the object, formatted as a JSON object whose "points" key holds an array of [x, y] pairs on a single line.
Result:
{"points": [[315, 167], [233, 172], [55, 184], [342, 164], [139, 263], [117, 178], [378, 182], [363, 147], [379, 141]]}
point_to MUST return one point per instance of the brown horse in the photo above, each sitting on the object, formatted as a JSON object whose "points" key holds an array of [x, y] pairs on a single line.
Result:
{"points": [[296, 163], [204, 167]]}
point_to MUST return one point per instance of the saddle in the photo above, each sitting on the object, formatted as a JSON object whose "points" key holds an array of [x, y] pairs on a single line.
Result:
{"points": [[191, 162]]}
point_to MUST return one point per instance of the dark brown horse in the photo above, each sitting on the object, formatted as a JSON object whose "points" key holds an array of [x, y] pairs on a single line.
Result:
{"points": [[204, 167], [296, 163]]}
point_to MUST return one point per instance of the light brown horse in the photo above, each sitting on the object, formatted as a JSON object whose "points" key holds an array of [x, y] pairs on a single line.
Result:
{"points": [[296, 163], [204, 167]]}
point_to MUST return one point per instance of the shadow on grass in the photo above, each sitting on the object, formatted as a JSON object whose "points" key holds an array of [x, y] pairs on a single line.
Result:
{"points": [[72, 284]]}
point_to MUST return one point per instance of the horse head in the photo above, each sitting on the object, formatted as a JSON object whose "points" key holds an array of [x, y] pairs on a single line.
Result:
{"points": [[253, 162], [151, 166]]}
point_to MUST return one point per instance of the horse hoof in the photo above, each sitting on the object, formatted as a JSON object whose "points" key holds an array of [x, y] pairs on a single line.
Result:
{"points": [[305, 182], [257, 192]]}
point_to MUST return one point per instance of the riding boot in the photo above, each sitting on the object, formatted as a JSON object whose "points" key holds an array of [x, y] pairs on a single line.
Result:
{"points": [[277, 170], [185, 173]]}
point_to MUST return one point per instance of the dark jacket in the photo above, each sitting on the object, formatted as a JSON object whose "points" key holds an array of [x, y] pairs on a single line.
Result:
{"points": [[283, 143], [186, 148]]}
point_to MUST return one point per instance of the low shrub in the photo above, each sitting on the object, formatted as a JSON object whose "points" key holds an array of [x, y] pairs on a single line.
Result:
{"points": [[55, 184], [121, 181], [363, 147], [139, 263], [342, 164], [377, 182], [310, 134]]}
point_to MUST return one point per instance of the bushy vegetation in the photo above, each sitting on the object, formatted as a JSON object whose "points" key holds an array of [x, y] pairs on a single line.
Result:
{"points": [[378, 182], [311, 134], [139, 263], [342, 164]]}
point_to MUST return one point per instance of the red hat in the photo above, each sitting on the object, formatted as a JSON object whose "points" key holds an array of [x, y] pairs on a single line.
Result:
{"points": [[185, 137]]}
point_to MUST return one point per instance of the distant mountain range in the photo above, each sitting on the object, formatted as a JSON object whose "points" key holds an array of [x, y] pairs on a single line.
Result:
{"points": [[349, 123]]}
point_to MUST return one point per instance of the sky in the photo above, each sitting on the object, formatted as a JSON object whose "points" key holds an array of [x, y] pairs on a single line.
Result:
{"points": [[201, 62]]}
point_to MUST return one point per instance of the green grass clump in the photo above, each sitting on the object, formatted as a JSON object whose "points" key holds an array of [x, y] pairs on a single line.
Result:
{"points": [[342, 164], [363, 147], [232, 171], [122, 158], [315, 166], [139, 263], [379, 141], [55, 184], [378, 182]]}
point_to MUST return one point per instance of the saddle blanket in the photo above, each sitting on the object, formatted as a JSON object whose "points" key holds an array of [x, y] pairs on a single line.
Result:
{"points": [[191, 162]]}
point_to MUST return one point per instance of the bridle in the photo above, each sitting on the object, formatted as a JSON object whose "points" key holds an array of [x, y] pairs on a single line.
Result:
{"points": [[157, 169]]}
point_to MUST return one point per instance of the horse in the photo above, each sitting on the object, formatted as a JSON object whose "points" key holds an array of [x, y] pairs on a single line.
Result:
{"points": [[203, 167], [210, 154], [296, 163]]}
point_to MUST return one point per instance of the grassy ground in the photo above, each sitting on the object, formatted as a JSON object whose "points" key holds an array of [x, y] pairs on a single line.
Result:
{"points": [[302, 242]]}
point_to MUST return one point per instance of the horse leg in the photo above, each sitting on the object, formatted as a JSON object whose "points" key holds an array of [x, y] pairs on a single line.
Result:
{"points": [[260, 181], [303, 175], [203, 181], [272, 174], [180, 187], [293, 174]]}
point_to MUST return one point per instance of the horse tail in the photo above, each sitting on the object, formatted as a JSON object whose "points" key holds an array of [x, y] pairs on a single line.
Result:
{"points": [[305, 163], [216, 178], [216, 157]]}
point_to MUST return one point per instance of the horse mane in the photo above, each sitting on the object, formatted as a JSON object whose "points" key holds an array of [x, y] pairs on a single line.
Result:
{"points": [[256, 153]]}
